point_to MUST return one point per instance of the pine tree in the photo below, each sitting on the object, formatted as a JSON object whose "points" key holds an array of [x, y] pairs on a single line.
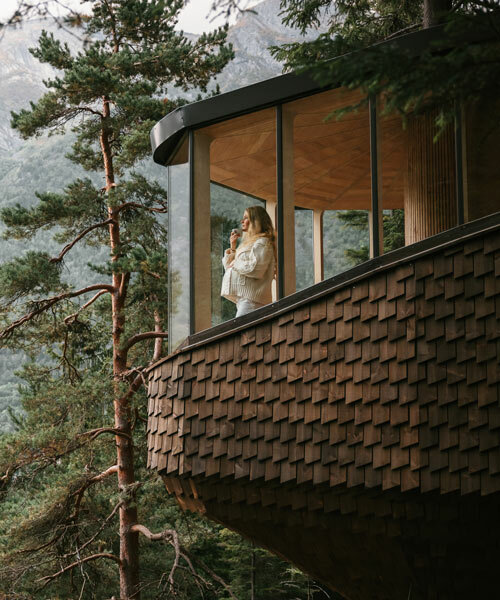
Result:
{"points": [[393, 227], [454, 69], [110, 93]]}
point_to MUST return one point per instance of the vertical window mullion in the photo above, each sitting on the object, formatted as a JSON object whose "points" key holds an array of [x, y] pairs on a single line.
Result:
{"points": [[192, 300], [375, 216], [459, 166], [279, 198]]}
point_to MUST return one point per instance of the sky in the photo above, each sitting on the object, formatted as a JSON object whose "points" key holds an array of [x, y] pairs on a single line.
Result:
{"points": [[195, 17]]}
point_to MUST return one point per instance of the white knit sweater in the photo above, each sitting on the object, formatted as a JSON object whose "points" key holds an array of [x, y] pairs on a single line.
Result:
{"points": [[249, 272]]}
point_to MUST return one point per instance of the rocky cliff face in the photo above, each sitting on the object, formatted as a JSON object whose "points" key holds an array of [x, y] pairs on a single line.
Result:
{"points": [[22, 76], [251, 37]]}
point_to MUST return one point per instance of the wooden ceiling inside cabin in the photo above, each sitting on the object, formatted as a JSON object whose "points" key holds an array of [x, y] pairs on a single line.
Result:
{"points": [[331, 159]]}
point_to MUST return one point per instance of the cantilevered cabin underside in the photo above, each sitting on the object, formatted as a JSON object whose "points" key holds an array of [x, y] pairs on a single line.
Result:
{"points": [[353, 429]]}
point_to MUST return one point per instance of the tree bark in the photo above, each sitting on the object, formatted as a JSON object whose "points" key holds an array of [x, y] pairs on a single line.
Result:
{"points": [[129, 539], [435, 11]]}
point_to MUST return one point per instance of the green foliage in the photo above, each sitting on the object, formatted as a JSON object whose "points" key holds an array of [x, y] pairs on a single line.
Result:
{"points": [[452, 70], [357, 220], [52, 509], [30, 275], [393, 227], [48, 460], [79, 206], [130, 59], [247, 566]]}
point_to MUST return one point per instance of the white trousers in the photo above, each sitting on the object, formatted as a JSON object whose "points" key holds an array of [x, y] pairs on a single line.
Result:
{"points": [[244, 306]]}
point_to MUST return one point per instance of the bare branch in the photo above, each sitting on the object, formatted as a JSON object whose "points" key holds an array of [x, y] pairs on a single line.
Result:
{"points": [[135, 339], [103, 525], [153, 274], [109, 471], [124, 284], [168, 535], [81, 235], [44, 305], [58, 536], [215, 577], [137, 417], [93, 433], [154, 537], [72, 318], [79, 493], [404, 30], [65, 359], [48, 578], [171, 536], [6, 478], [97, 113]]}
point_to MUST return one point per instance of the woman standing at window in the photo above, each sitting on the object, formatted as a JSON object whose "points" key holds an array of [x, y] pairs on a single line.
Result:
{"points": [[250, 269]]}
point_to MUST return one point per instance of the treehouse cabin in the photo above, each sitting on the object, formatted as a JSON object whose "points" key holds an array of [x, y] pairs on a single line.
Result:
{"points": [[352, 425]]}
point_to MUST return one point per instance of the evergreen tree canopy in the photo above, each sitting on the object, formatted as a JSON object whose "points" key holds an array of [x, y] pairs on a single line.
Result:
{"points": [[462, 66]]}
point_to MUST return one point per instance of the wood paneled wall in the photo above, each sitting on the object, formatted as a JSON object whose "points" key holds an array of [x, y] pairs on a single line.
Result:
{"points": [[430, 195]]}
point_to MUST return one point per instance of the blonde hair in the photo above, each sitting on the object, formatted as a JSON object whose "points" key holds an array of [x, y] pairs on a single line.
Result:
{"points": [[260, 226], [260, 223]]}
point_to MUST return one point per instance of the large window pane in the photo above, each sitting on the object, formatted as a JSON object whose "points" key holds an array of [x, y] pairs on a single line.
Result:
{"points": [[346, 240], [243, 154], [242, 174], [331, 159], [394, 166], [226, 210]]}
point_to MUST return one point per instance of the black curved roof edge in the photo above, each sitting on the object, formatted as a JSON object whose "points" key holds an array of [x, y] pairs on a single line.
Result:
{"points": [[168, 133], [407, 254]]}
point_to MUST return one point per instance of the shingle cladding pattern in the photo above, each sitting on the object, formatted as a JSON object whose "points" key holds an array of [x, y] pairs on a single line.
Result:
{"points": [[368, 401]]}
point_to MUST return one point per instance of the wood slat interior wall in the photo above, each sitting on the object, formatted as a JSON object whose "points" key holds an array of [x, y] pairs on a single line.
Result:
{"points": [[430, 200], [369, 412]]}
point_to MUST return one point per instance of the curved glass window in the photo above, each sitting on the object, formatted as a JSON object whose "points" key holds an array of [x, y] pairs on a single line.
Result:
{"points": [[338, 190], [179, 238]]}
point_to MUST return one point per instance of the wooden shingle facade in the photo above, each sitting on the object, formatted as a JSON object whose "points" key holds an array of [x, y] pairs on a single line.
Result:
{"points": [[356, 431]]}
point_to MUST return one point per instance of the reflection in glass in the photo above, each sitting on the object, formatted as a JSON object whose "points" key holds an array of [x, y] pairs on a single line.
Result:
{"points": [[394, 165], [179, 252], [346, 240], [304, 265], [226, 210]]}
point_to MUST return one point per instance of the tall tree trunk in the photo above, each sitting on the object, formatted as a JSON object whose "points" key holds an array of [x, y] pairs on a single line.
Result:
{"points": [[435, 11], [252, 574], [129, 540]]}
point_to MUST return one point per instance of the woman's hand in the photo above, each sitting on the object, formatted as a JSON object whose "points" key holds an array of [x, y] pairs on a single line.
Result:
{"points": [[235, 234]]}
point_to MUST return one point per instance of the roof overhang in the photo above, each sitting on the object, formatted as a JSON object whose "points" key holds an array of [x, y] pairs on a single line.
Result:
{"points": [[168, 133]]}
